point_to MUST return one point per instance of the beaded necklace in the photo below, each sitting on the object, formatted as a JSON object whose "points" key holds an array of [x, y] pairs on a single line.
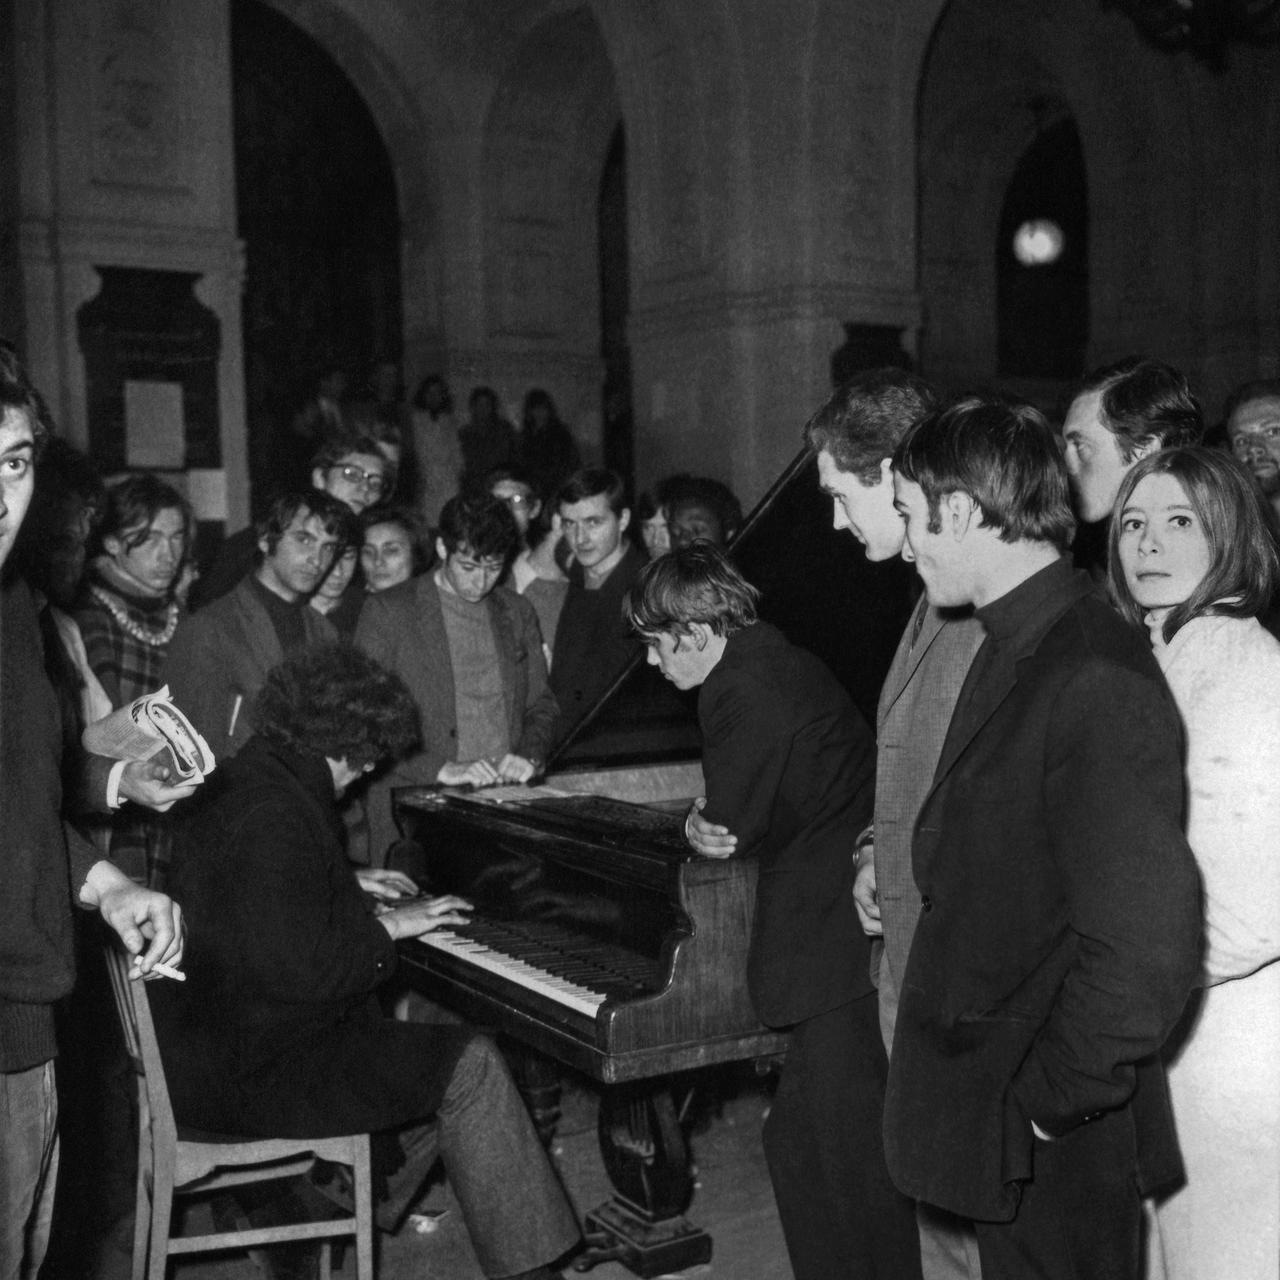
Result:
{"points": [[140, 633]]}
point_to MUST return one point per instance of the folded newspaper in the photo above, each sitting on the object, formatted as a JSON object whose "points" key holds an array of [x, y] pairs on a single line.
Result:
{"points": [[148, 726]]}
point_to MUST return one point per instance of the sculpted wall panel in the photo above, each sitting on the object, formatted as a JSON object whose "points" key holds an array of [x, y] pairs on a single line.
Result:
{"points": [[136, 100]]}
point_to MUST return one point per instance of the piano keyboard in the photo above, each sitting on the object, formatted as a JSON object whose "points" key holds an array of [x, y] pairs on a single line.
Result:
{"points": [[524, 975], [543, 959]]}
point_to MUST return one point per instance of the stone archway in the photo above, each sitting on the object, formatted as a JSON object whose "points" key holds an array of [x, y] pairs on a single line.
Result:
{"points": [[547, 136], [319, 214]]}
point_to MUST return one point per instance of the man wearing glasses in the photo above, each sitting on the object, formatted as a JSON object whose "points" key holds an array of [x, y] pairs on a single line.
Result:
{"points": [[353, 470], [471, 655]]}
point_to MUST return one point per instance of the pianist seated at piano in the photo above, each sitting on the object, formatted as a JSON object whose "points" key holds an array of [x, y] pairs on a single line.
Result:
{"points": [[789, 764], [470, 652], [278, 1031]]}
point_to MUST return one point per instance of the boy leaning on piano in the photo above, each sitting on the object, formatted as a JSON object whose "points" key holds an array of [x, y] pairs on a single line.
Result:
{"points": [[278, 1031], [789, 768]]}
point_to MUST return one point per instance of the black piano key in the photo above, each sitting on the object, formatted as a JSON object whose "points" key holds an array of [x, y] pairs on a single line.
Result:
{"points": [[554, 949]]}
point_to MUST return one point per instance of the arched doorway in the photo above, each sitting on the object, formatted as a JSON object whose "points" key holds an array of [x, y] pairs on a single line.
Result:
{"points": [[317, 209]]}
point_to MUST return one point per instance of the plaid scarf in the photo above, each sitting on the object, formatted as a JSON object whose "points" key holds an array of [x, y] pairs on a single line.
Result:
{"points": [[128, 667]]}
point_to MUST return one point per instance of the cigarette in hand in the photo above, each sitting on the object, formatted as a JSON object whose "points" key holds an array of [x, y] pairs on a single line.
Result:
{"points": [[164, 970]]}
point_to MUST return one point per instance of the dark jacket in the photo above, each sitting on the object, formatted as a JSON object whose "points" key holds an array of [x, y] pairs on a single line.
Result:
{"points": [[44, 864], [1060, 910], [219, 658], [789, 765], [277, 1030], [237, 558], [592, 642]]}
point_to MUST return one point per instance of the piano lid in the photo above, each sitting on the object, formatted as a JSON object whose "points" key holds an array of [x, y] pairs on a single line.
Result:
{"points": [[817, 587]]}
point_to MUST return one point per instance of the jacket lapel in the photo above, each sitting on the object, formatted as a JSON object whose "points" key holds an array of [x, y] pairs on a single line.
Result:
{"points": [[433, 640], [998, 684], [504, 640], [263, 643], [1000, 679], [908, 656]]}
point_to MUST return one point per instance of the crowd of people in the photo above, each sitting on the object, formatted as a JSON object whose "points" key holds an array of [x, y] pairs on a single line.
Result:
{"points": [[1023, 930]]}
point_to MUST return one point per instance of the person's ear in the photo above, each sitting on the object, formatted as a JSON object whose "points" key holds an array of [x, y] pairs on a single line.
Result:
{"points": [[624, 519], [535, 509], [886, 472], [442, 551], [701, 633], [112, 545], [957, 513], [318, 478]]}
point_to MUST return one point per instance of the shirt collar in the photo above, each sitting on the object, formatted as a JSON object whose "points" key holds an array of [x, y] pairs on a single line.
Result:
{"points": [[1008, 615]]}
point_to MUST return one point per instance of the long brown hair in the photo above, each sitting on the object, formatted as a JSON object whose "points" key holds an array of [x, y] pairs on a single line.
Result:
{"points": [[1238, 524]]}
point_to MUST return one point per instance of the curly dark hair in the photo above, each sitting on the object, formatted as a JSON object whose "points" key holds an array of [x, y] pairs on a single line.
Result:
{"points": [[713, 495], [480, 523], [335, 701]]}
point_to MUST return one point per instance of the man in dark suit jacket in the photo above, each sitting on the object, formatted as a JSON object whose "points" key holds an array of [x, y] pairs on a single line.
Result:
{"points": [[788, 764], [1059, 909], [592, 645], [219, 657]]}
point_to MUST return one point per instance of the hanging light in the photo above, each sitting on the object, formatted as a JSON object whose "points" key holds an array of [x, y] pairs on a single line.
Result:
{"points": [[1038, 242]]}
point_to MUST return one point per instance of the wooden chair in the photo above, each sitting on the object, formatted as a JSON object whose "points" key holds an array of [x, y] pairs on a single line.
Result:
{"points": [[175, 1161]]}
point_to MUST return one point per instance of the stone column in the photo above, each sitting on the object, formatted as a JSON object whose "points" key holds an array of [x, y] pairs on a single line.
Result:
{"points": [[771, 194], [124, 158]]}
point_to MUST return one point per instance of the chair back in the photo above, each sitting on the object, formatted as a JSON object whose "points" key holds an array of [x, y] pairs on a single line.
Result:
{"points": [[140, 1040]]}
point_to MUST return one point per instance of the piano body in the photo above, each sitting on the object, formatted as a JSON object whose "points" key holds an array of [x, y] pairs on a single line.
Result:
{"points": [[600, 939], [603, 943]]}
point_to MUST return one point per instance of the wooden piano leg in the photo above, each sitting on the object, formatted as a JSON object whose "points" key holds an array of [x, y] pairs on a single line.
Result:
{"points": [[645, 1153]]}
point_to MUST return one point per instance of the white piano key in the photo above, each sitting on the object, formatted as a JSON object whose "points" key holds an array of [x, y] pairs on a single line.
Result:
{"points": [[570, 994]]}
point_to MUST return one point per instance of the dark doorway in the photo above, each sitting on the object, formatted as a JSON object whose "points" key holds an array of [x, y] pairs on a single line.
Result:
{"points": [[615, 303], [317, 209], [1043, 300]]}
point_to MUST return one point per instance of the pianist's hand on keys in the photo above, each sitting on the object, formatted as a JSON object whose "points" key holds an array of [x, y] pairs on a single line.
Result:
{"points": [[385, 884], [423, 915]]}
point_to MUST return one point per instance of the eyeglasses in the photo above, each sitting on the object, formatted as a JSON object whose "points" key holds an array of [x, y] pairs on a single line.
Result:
{"points": [[371, 481]]}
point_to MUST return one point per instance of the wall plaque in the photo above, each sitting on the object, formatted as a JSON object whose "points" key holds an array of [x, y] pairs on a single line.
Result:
{"points": [[151, 356]]}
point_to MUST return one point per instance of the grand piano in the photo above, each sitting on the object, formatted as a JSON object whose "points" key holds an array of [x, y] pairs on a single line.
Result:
{"points": [[599, 938]]}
